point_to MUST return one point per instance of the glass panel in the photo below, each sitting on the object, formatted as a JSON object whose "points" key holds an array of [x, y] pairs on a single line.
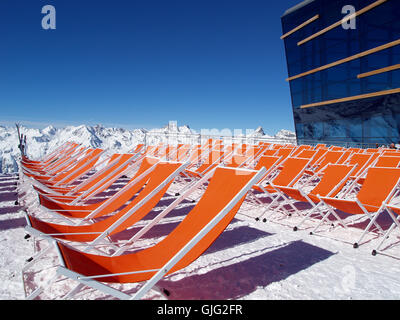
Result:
{"points": [[335, 128], [355, 128], [345, 121], [375, 127], [300, 130], [318, 130]]}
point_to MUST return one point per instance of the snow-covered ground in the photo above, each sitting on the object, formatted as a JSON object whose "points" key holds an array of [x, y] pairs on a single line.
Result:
{"points": [[250, 260]]}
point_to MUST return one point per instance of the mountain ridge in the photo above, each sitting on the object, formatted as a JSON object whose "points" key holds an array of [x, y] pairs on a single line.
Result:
{"points": [[118, 140]]}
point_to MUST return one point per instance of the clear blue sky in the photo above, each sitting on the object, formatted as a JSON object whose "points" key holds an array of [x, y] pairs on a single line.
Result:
{"points": [[206, 63]]}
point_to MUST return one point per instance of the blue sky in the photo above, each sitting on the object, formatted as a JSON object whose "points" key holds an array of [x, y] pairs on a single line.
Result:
{"points": [[209, 64]]}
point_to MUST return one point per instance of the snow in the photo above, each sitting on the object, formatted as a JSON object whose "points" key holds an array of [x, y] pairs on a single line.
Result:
{"points": [[250, 260]]}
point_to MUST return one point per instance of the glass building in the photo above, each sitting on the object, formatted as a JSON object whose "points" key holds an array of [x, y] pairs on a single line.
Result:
{"points": [[343, 59]]}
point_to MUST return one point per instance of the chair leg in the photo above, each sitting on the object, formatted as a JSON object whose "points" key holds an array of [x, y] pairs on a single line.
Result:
{"points": [[93, 284], [73, 292], [31, 261], [308, 215], [267, 208], [286, 201], [395, 224], [328, 213], [40, 289], [372, 218]]}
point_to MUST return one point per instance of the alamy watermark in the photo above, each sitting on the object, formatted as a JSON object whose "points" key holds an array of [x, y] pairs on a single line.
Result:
{"points": [[208, 148], [49, 20], [348, 281], [349, 22]]}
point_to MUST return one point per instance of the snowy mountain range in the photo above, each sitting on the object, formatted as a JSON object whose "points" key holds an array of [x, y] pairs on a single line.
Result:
{"points": [[42, 141]]}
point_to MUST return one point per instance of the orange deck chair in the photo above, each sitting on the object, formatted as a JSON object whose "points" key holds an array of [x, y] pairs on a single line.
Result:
{"points": [[300, 149], [84, 190], [214, 159], [60, 164], [59, 151], [95, 232], [117, 166], [80, 168], [378, 188], [292, 171], [199, 229], [104, 206], [70, 179], [394, 213], [160, 179], [269, 152], [331, 181], [363, 161], [270, 163], [330, 157], [381, 161], [52, 157]]}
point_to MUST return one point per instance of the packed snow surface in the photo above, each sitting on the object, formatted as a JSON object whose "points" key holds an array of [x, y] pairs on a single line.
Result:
{"points": [[250, 260]]}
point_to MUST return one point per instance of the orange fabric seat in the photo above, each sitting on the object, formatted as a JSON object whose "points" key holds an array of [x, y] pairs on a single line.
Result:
{"points": [[291, 173], [330, 157], [86, 233], [377, 186], [81, 211], [224, 185], [330, 184], [117, 163], [71, 173]]}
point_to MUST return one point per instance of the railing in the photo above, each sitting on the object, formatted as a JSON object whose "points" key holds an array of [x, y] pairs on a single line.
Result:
{"points": [[153, 138], [351, 144]]}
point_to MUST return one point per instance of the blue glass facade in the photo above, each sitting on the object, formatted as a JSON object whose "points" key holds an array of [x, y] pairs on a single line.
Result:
{"points": [[358, 120]]}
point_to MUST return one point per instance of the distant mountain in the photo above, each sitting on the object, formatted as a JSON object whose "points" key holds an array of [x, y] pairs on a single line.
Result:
{"points": [[285, 134], [116, 140], [259, 132]]}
